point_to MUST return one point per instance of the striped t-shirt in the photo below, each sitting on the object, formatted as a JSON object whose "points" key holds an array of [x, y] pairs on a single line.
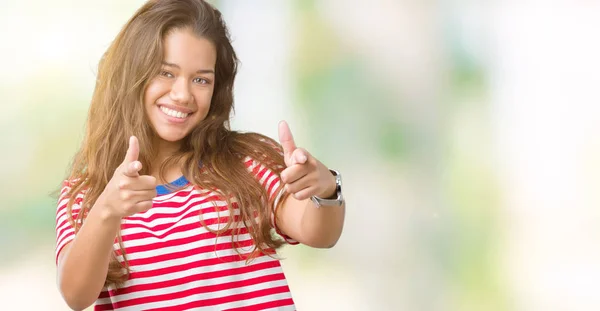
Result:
{"points": [[177, 264]]}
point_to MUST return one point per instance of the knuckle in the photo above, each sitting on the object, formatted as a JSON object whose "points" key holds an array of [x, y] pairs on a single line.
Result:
{"points": [[125, 195], [289, 188]]}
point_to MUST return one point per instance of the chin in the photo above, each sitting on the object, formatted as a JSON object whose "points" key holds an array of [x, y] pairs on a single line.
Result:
{"points": [[172, 137]]}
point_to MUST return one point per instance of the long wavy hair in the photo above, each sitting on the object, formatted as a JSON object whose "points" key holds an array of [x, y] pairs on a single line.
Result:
{"points": [[117, 112]]}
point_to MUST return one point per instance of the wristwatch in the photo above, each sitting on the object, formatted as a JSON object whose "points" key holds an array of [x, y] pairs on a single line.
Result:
{"points": [[339, 200]]}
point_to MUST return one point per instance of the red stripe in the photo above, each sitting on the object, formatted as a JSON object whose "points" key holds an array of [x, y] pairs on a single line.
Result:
{"points": [[191, 265], [179, 229], [180, 241], [260, 171], [176, 205], [222, 300], [195, 277], [270, 187], [265, 305], [209, 289], [193, 194], [66, 224], [68, 236], [182, 254], [197, 223], [222, 214], [232, 265]]}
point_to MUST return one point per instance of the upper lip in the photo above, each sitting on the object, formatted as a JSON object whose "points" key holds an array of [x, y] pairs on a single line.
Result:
{"points": [[177, 108]]}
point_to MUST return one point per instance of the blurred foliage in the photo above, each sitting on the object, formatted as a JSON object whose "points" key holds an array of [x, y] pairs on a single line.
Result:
{"points": [[333, 86]]}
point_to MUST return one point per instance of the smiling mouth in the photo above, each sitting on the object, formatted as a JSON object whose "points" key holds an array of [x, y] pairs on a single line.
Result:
{"points": [[174, 113]]}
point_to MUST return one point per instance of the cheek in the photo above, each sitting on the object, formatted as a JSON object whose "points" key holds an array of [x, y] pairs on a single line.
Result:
{"points": [[153, 92], [203, 100]]}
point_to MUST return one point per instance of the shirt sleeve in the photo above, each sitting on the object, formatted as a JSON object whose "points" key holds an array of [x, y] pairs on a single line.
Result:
{"points": [[272, 184], [65, 232]]}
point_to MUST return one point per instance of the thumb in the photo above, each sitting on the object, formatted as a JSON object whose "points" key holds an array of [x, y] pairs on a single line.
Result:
{"points": [[131, 163], [287, 142], [133, 151]]}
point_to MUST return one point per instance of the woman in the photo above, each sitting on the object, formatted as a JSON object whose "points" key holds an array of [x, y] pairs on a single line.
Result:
{"points": [[166, 208]]}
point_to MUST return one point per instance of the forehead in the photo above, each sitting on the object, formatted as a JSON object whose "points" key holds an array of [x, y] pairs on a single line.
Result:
{"points": [[183, 48]]}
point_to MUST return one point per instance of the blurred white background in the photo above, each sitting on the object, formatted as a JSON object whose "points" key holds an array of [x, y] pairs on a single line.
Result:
{"points": [[466, 133]]}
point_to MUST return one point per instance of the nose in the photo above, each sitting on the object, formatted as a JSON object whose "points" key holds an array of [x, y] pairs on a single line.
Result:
{"points": [[180, 92]]}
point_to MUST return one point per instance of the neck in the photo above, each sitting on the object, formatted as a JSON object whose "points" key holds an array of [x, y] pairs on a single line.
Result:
{"points": [[165, 149]]}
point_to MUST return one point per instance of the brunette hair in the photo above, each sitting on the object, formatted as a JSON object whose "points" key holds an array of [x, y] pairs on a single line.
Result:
{"points": [[117, 111]]}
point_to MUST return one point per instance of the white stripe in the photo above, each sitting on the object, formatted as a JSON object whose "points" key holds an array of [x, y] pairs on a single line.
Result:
{"points": [[172, 195], [212, 268], [266, 174], [185, 247], [65, 233], [273, 178], [204, 296], [62, 205], [174, 210], [257, 300], [190, 285], [185, 260], [196, 231], [171, 210], [252, 165], [275, 187], [65, 223], [64, 241], [165, 220], [283, 308], [176, 197]]}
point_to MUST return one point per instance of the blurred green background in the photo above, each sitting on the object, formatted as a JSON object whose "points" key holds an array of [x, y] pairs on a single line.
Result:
{"points": [[466, 133]]}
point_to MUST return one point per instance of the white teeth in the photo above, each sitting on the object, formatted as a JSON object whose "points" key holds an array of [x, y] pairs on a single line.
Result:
{"points": [[173, 113]]}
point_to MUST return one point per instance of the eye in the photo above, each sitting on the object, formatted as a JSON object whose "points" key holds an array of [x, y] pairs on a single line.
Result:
{"points": [[166, 74], [201, 81]]}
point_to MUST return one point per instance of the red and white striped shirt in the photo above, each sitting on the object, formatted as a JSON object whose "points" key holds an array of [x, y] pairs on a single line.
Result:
{"points": [[177, 264]]}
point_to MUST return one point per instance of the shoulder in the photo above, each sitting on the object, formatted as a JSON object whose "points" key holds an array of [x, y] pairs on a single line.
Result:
{"points": [[257, 139], [255, 146], [260, 149], [70, 185]]}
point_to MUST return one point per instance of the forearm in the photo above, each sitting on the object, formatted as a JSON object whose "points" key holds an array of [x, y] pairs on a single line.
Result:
{"points": [[82, 272], [322, 226]]}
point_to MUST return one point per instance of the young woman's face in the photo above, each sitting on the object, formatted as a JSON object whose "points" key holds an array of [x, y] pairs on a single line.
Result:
{"points": [[178, 99]]}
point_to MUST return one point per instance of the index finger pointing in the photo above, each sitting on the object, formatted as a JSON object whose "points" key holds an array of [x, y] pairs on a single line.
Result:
{"points": [[286, 139], [133, 151]]}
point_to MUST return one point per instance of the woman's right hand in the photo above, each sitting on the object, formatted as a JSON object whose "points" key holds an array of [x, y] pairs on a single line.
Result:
{"points": [[127, 192]]}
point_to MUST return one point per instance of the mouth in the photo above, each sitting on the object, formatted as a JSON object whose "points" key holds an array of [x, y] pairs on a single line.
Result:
{"points": [[173, 113]]}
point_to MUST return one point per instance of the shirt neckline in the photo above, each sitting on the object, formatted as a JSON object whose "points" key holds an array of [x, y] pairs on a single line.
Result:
{"points": [[172, 186]]}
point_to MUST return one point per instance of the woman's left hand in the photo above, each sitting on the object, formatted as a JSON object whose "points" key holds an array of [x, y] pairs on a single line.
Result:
{"points": [[304, 175]]}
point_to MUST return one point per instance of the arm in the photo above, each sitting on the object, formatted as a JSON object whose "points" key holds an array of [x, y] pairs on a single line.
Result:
{"points": [[305, 176], [304, 222], [83, 262]]}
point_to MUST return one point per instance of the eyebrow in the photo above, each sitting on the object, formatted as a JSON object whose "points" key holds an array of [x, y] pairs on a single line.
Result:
{"points": [[199, 71]]}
